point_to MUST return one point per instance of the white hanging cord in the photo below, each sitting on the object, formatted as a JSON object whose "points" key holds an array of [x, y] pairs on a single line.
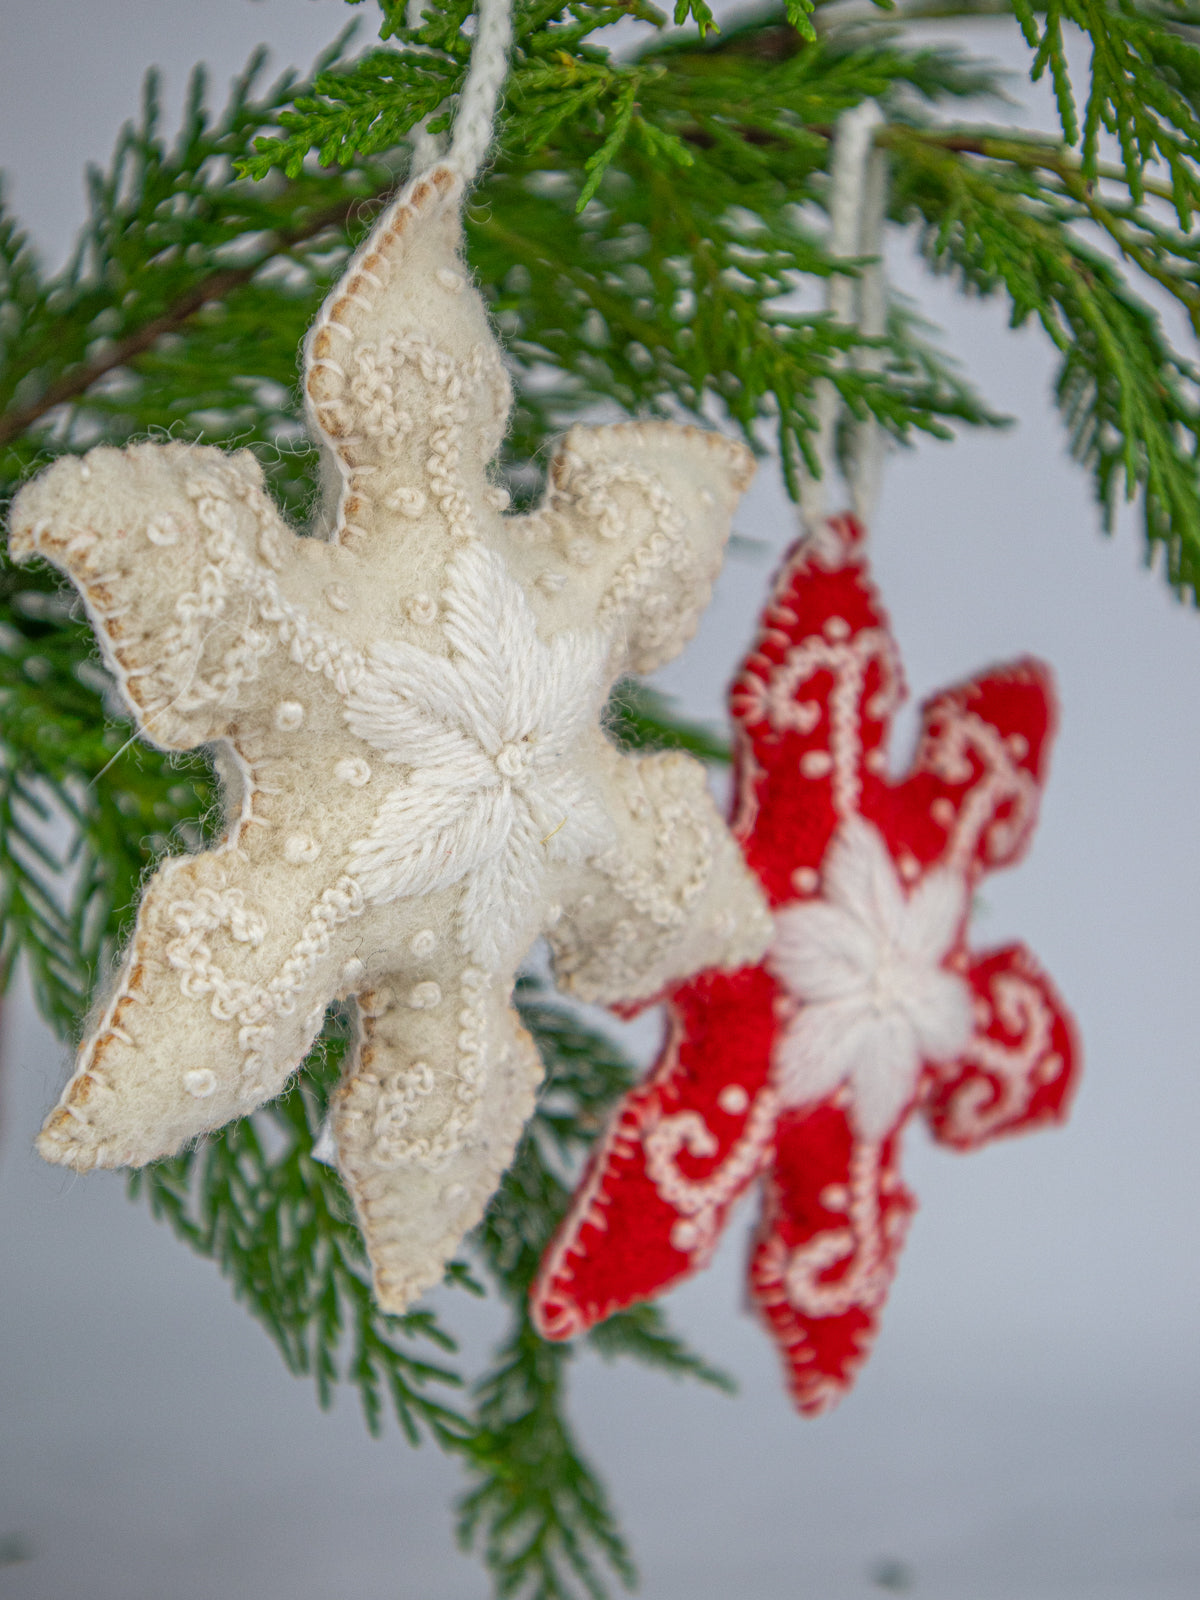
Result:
{"points": [[857, 202], [869, 441], [474, 123], [426, 146]]}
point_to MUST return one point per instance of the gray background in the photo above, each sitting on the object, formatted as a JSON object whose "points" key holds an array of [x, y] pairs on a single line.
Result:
{"points": [[1027, 1429]]}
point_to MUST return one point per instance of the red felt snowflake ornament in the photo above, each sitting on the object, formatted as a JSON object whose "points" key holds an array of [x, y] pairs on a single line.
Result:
{"points": [[868, 1007]]}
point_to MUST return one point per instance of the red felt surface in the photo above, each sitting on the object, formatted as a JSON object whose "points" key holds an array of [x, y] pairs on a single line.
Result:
{"points": [[720, 1032], [812, 708], [833, 1221]]}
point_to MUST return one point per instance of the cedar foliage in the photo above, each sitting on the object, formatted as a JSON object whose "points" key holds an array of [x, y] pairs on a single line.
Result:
{"points": [[648, 213]]}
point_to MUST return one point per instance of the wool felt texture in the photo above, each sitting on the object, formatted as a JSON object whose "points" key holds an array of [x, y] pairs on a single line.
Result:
{"points": [[803, 1069], [406, 714]]}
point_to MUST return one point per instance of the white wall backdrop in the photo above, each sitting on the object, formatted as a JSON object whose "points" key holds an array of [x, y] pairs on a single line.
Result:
{"points": [[1028, 1427]]}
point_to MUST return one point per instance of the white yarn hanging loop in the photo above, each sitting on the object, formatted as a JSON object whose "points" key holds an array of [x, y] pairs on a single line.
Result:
{"points": [[474, 123], [857, 206], [426, 147]]}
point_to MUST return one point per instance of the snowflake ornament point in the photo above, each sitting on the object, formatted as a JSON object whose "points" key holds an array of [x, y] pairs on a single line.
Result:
{"points": [[406, 719], [803, 1069]]}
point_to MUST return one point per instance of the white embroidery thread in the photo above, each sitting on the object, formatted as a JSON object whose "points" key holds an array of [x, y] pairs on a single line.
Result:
{"points": [[864, 966]]}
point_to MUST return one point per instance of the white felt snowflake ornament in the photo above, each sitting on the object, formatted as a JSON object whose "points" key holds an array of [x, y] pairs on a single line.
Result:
{"points": [[405, 714]]}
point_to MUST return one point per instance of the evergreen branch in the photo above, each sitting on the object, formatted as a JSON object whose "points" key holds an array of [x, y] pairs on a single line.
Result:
{"points": [[537, 1511], [696, 9], [45, 900], [73, 850], [1144, 86], [1025, 150], [1163, 254], [76, 381], [280, 1227], [641, 718], [180, 275], [357, 111], [1128, 399], [1143, 243], [598, 163], [642, 1332], [370, 105]]}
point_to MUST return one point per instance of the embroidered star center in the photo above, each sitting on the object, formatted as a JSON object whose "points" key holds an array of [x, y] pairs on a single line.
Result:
{"points": [[886, 988], [515, 760], [865, 965], [491, 734]]}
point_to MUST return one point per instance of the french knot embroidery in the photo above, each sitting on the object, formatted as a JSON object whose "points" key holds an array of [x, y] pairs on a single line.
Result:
{"points": [[406, 715], [802, 1070]]}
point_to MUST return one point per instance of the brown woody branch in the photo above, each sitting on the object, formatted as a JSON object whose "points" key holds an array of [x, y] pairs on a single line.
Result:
{"points": [[79, 379]]}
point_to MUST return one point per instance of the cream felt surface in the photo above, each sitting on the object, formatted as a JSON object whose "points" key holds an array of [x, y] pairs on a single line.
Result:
{"points": [[406, 719]]}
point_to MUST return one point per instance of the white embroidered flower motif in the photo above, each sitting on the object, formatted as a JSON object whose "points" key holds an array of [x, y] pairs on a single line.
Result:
{"points": [[865, 963], [494, 792]]}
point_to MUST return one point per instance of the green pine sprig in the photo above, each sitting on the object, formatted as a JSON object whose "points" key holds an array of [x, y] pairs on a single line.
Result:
{"points": [[279, 1225], [1005, 218], [537, 1511], [1143, 90]]}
